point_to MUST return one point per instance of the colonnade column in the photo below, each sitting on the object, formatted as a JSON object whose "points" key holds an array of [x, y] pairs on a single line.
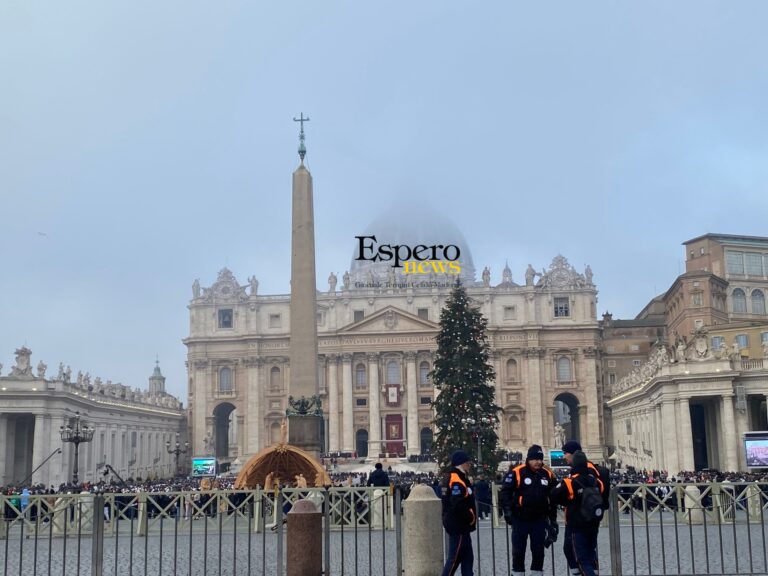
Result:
{"points": [[413, 406], [39, 448], [3, 448], [333, 403], [253, 418], [348, 409], [534, 395], [686, 435], [670, 439], [728, 428], [374, 413]]}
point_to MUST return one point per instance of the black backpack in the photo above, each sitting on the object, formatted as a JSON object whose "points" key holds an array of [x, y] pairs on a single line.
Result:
{"points": [[590, 505]]}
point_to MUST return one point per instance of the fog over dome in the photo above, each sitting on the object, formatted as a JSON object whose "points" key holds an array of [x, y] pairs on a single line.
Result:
{"points": [[409, 226]]}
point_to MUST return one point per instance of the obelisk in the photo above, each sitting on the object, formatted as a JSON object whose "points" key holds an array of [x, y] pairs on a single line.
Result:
{"points": [[305, 418]]}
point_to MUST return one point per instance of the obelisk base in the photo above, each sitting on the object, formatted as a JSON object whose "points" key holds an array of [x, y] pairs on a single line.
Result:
{"points": [[305, 432]]}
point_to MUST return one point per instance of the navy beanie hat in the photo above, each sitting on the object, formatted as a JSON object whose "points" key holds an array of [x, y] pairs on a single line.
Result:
{"points": [[459, 457], [579, 460], [571, 447], [535, 453]]}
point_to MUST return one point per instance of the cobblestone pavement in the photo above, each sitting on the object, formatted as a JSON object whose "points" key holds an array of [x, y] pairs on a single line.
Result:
{"points": [[234, 551]]}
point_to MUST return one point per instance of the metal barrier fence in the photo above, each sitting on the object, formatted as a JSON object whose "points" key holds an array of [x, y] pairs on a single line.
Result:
{"points": [[651, 529]]}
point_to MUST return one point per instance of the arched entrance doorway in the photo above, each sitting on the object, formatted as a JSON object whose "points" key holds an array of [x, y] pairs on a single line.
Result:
{"points": [[425, 440], [361, 443], [223, 428], [566, 414]]}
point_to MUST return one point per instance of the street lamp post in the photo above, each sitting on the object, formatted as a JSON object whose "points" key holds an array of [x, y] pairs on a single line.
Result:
{"points": [[476, 425], [178, 450], [77, 435]]}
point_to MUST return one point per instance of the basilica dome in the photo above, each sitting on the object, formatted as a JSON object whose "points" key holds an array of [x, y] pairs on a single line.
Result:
{"points": [[410, 227]]}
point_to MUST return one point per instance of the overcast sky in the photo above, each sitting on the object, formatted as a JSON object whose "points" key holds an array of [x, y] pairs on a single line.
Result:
{"points": [[146, 144]]}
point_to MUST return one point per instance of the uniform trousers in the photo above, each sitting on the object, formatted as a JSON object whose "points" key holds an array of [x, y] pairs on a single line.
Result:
{"points": [[580, 548], [521, 531], [460, 554]]}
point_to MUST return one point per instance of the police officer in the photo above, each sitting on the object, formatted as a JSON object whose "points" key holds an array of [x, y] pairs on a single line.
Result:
{"points": [[599, 473], [459, 518], [580, 537], [528, 507]]}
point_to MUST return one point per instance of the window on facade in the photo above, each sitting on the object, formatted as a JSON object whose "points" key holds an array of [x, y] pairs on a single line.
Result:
{"points": [[426, 400], [361, 380], [764, 338], [361, 402], [629, 427], [393, 372], [424, 374], [734, 262], [717, 342], [225, 380], [753, 263], [739, 301], [697, 299], [320, 318], [758, 302], [636, 362], [611, 378], [275, 320], [562, 308], [742, 340], [564, 369], [509, 312], [358, 315], [511, 370], [423, 313], [275, 379], [225, 318]]}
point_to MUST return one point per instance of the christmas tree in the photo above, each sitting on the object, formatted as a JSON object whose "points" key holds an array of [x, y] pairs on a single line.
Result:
{"points": [[465, 409]]}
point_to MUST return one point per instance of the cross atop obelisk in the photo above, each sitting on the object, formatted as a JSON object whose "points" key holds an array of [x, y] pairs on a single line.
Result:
{"points": [[302, 147]]}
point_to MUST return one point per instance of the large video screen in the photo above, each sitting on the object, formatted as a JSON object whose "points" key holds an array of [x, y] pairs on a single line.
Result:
{"points": [[204, 466], [557, 458], [756, 449]]}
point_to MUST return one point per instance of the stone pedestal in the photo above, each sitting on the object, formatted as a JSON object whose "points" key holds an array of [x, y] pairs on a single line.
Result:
{"points": [[305, 539], [754, 502], [694, 511], [305, 432], [378, 508], [422, 532]]}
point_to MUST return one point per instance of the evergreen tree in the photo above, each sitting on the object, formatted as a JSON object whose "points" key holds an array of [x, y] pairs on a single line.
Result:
{"points": [[464, 377]]}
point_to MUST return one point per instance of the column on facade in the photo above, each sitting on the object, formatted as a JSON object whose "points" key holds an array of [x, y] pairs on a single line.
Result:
{"points": [[374, 412], [333, 403], [203, 376], [497, 366], [685, 434], [592, 431], [534, 412], [413, 403], [254, 422], [348, 405], [670, 436], [728, 429]]}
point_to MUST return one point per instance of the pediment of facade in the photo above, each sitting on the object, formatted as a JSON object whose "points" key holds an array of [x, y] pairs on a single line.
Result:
{"points": [[389, 319]]}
